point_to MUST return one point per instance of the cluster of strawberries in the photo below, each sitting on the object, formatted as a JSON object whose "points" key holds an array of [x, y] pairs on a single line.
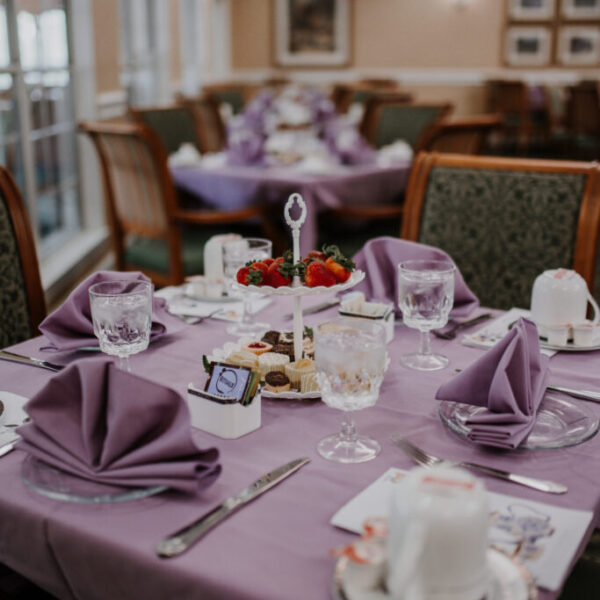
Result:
{"points": [[326, 268]]}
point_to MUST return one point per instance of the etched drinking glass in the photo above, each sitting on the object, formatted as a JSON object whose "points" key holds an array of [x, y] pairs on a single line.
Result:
{"points": [[350, 358], [122, 317], [425, 297], [236, 253]]}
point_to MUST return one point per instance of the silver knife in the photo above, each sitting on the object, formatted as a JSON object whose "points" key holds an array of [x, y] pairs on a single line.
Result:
{"points": [[316, 308], [582, 394], [28, 360], [181, 540]]}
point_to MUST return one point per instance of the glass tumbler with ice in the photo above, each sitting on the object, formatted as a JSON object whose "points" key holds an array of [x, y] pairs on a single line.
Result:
{"points": [[122, 317], [350, 358]]}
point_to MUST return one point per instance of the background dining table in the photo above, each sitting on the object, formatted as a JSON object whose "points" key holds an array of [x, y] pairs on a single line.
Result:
{"points": [[236, 187], [279, 546]]}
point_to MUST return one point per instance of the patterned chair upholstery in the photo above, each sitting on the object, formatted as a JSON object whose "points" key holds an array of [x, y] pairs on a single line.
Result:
{"points": [[174, 125], [210, 129], [388, 119], [504, 221], [150, 231], [22, 305]]}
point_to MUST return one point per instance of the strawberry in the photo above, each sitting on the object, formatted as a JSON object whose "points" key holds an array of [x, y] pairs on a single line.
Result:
{"points": [[317, 273], [268, 261], [281, 271], [251, 274], [314, 255], [261, 266], [339, 271]]}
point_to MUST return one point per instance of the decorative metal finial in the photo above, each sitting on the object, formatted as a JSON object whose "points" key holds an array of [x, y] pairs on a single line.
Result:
{"points": [[295, 224]]}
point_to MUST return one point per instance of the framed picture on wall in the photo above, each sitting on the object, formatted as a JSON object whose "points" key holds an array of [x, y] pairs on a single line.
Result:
{"points": [[312, 33], [579, 46], [527, 46], [531, 10], [580, 9]]}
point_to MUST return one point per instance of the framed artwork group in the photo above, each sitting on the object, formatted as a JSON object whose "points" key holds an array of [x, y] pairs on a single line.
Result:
{"points": [[542, 33]]}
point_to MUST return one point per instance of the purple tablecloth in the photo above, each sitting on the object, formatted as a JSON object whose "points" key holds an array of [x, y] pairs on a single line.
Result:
{"points": [[231, 188], [278, 546]]}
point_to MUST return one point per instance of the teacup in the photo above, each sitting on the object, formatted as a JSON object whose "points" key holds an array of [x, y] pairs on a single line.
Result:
{"points": [[438, 536], [560, 297]]}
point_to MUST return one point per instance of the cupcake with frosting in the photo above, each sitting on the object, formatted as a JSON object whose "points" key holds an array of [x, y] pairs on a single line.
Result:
{"points": [[271, 361], [300, 367]]}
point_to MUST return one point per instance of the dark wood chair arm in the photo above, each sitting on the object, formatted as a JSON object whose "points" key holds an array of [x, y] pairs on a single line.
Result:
{"points": [[199, 217]]}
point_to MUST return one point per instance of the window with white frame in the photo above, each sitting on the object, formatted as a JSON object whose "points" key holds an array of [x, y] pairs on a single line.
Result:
{"points": [[145, 51], [37, 120]]}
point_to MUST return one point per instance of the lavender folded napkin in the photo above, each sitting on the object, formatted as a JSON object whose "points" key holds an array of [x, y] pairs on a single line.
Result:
{"points": [[98, 422], [510, 381], [379, 259], [70, 326]]}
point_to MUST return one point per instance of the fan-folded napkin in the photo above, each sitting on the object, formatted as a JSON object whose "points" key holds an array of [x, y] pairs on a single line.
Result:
{"points": [[379, 259], [70, 326], [510, 381], [98, 422]]}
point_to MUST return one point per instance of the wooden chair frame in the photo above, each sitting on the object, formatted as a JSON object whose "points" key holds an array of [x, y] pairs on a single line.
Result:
{"points": [[482, 125], [26, 249], [213, 105], [374, 106], [175, 215], [586, 242]]}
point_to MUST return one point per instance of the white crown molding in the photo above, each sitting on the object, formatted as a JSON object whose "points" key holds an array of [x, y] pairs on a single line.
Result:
{"points": [[424, 76]]}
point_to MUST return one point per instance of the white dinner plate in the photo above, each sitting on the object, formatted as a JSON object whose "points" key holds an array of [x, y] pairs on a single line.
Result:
{"points": [[509, 580], [568, 347]]}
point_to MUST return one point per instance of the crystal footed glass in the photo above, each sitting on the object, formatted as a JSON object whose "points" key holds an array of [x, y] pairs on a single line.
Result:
{"points": [[122, 317], [236, 253], [425, 297], [350, 359]]}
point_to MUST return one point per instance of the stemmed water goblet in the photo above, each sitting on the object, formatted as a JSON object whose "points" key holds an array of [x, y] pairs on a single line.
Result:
{"points": [[122, 317], [425, 297], [236, 253], [350, 359]]}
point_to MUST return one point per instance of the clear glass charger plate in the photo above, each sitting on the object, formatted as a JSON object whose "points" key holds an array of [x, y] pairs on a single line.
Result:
{"points": [[560, 422], [509, 580], [59, 485]]}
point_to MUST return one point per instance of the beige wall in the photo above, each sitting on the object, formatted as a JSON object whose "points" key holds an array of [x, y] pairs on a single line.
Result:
{"points": [[105, 14], [389, 33]]}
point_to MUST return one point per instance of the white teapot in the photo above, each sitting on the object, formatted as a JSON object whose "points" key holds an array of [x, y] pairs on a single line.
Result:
{"points": [[560, 297]]}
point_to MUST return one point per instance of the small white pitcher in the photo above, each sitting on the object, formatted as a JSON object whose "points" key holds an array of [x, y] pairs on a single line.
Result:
{"points": [[438, 536], [560, 298]]}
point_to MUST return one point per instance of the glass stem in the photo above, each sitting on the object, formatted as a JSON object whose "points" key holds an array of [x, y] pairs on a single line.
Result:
{"points": [[425, 343], [348, 433], [246, 316], [124, 363]]}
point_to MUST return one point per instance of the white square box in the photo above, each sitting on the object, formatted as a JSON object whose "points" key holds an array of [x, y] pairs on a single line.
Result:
{"points": [[228, 421]]}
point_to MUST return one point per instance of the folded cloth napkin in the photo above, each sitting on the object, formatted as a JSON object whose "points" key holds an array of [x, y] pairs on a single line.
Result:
{"points": [[379, 259], [510, 380], [70, 326], [186, 156], [103, 424]]}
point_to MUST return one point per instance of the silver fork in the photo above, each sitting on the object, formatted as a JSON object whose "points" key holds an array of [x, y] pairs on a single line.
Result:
{"points": [[195, 320], [428, 460]]}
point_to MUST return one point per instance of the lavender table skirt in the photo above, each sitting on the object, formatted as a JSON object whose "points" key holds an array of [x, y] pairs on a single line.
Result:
{"points": [[231, 188], [278, 546]]}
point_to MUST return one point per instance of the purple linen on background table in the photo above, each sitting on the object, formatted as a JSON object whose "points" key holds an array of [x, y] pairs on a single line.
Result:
{"points": [[510, 380], [103, 424], [379, 259], [70, 326], [233, 188]]}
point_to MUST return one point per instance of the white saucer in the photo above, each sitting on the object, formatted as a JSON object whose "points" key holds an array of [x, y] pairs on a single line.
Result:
{"points": [[510, 580], [568, 347]]}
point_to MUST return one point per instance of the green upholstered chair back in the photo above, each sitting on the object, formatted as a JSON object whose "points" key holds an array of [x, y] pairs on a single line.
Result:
{"points": [[502, 227], [174, 125], [406, 122], [234, 96], [19, 315]]}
